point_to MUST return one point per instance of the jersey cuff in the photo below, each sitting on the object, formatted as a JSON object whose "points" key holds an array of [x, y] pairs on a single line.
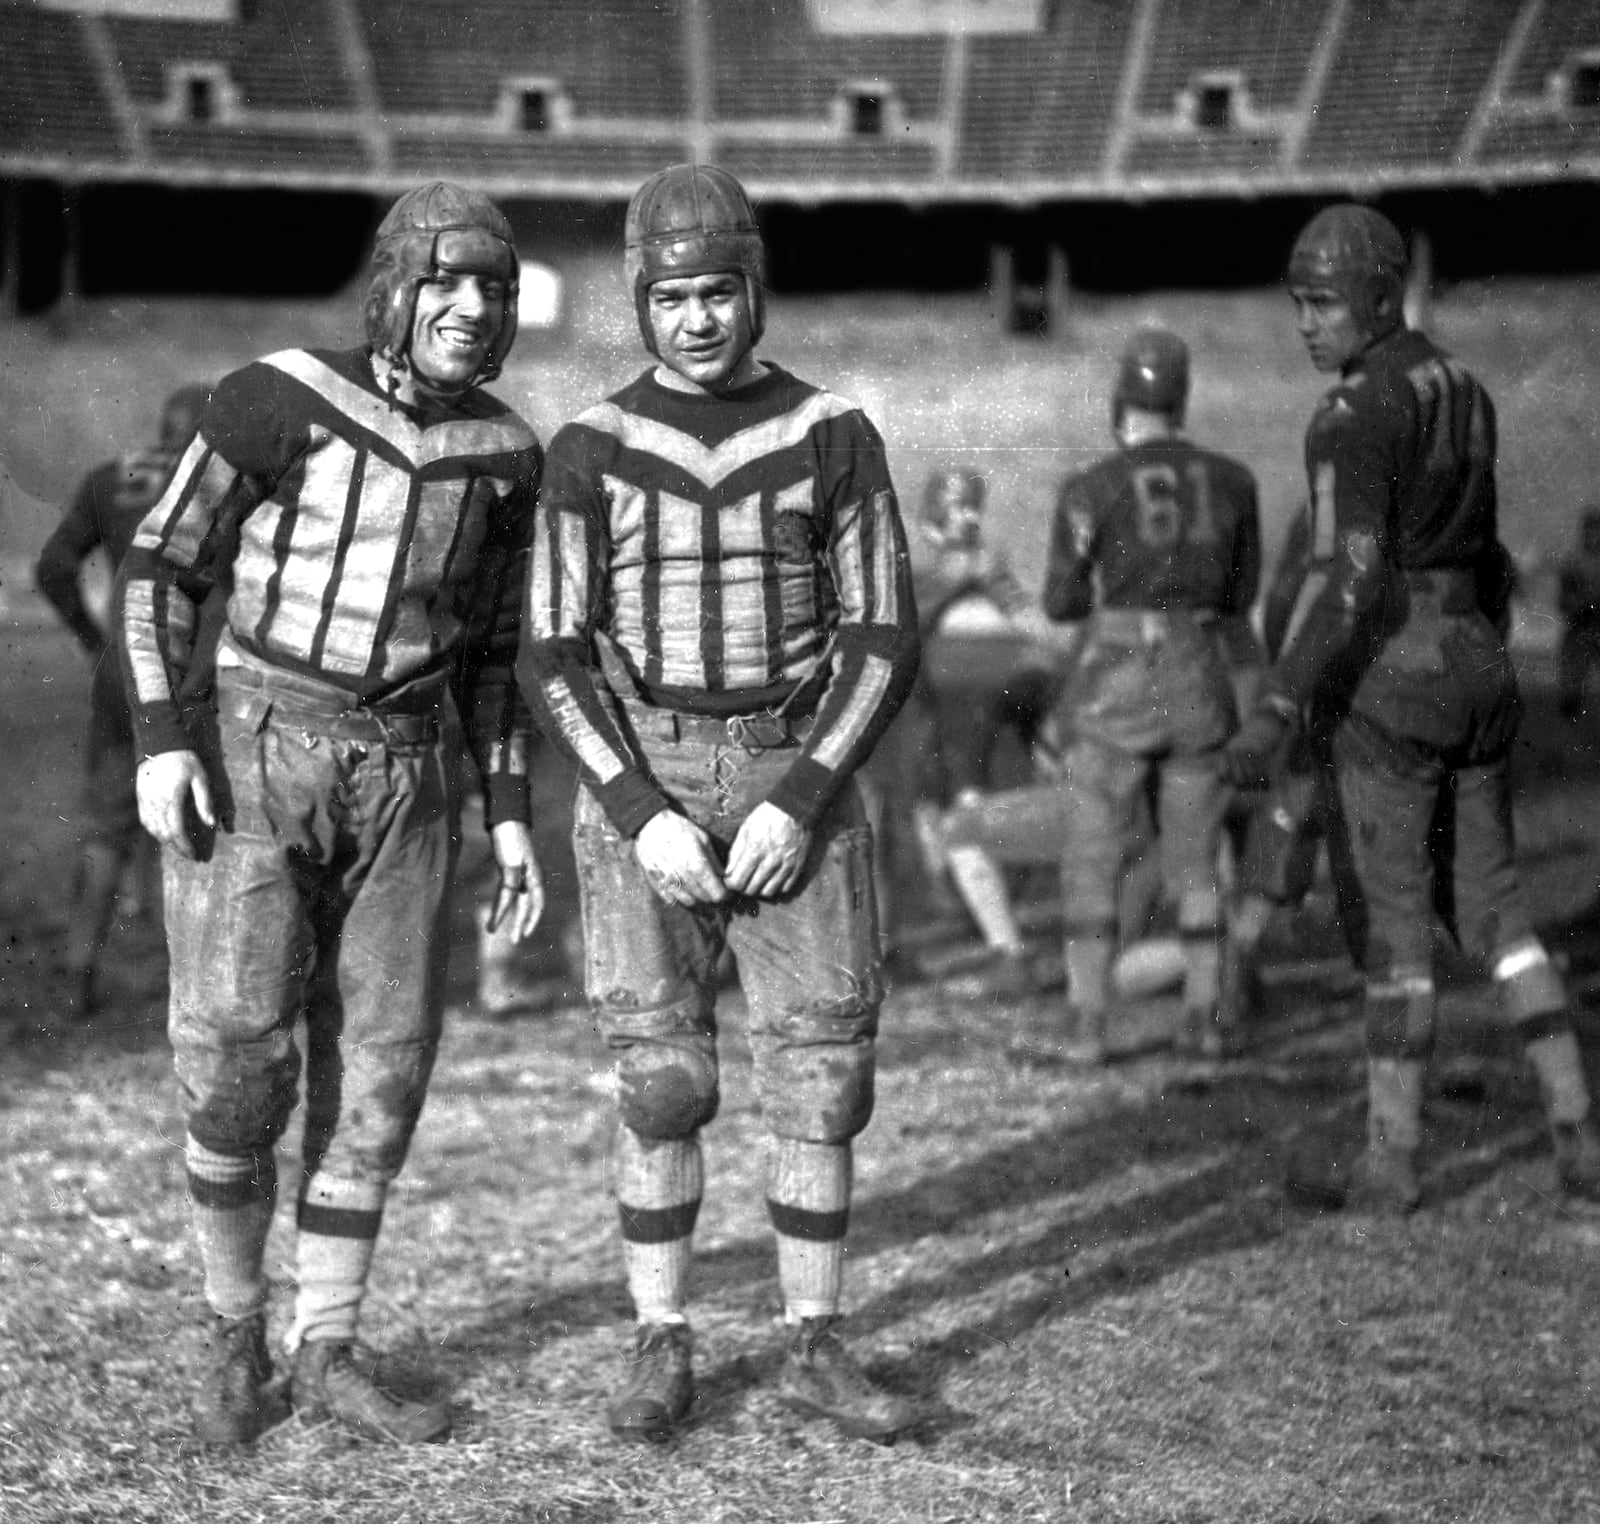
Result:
{"points": [[507, 797], [804, 791], [161, 730], [630, 801]]}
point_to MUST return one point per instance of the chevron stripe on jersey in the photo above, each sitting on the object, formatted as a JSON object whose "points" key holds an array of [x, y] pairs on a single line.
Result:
{"points": [[356, 538], [728, 548]]}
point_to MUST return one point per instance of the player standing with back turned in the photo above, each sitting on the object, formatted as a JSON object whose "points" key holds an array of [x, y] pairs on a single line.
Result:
{"points": [[1158, 547], [1400, 462]]}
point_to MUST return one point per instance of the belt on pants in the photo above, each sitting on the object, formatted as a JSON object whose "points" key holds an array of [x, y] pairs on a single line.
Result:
{"points": [[361, 723], [754, 732]]}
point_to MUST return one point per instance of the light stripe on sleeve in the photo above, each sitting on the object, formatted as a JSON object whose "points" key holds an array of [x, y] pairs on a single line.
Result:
{"points": [[865, 700]]}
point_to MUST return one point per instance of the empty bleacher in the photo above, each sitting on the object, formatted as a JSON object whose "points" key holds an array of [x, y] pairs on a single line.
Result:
{"points": [[1404, 84], [767, 62], [1561, 30], [231, 148], [535, 158], [1269, 43], [1042, 107], [1231, 156], [51, 102], [285, 56], [612, 58]]}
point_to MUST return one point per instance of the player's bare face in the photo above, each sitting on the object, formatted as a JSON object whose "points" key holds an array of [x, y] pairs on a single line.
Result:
{"points": [[459, 312], [702, 328], [1328, 325]]}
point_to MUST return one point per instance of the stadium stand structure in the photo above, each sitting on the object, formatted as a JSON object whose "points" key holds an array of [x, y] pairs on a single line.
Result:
{"points": [[995, 101]]}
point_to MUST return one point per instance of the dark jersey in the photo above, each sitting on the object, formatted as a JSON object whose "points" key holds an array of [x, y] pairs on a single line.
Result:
{"points": [[1164, 525], [112, 500], [1400, 462]]}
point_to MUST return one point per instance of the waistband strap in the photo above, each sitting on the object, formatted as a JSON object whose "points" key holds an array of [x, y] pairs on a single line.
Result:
{"points": [[754, 732], [1149, 625], [252, 690]]}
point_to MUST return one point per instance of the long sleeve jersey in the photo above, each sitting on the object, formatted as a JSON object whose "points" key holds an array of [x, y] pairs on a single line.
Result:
{"points": [[359, 541], [1400, 459], [728, 551], [1163, 525], [109, 506]]}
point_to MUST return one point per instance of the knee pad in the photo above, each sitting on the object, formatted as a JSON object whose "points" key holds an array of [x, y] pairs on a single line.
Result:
{"points": [[822, 1091], [666, 1092], [1400, 1011]]}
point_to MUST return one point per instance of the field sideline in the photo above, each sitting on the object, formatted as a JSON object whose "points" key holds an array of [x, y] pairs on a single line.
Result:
{"points": [[1092, 1284]]}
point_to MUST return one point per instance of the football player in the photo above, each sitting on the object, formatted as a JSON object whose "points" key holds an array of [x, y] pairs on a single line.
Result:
{"points": [[103, 516], [720, 626], [976, 681], [367, 513], [1400, 462], [1157, 546]]}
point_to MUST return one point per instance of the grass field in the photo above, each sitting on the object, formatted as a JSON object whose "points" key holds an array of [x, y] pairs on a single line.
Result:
{"points": [[1093, 1285]]}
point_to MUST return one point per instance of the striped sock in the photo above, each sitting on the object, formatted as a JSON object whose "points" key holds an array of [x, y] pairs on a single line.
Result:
{"points": [[338, 1222], [658, 1186], [808, 1202], [231, 1200]]}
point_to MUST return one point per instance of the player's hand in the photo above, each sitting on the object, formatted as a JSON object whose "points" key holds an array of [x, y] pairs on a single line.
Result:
{"points": [[769, 853], [679, 861], [519, 899], [165, 784], [1248, 757]]}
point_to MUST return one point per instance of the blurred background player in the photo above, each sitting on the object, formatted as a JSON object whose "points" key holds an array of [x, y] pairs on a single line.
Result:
{"points": [[1578, 599], [1158, 546], [116, 851], [974, 685], [1400, 461]]}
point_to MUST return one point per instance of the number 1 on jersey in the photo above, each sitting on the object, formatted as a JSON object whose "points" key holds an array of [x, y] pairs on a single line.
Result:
{"points": [[1167, 500]]}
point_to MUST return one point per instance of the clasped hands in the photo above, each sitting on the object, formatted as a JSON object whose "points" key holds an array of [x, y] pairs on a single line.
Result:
{"points": [[680, 860]]}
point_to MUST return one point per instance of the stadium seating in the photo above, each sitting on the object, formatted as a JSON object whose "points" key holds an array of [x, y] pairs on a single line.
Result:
{"points": [[768, 63], [1537, 119], [537, 160], [586, 96], [612, 58], [284, 56], [1405, 82], [304, 157], [1041, 107], [51, 102], [1268, 43]]}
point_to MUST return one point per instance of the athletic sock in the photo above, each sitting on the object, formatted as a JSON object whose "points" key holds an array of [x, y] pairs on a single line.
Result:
{"points": [[983, 891], [231, 1201], [659, 1186], [1394, 1103], [338, 1222], [808, 1203]]}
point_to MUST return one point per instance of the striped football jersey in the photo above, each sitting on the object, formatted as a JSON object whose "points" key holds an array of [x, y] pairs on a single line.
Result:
{"points": [[733, 555], [358, 542]]}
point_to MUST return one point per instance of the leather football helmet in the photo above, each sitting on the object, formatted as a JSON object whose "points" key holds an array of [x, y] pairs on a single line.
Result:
{"points": [[437, 227], [693, 219]]}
